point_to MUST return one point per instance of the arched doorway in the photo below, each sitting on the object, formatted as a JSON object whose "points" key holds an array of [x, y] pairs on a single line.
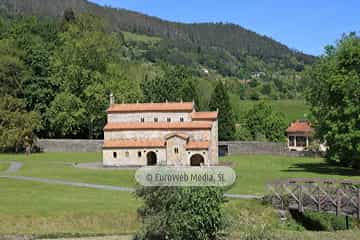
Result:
{"points": [[197, 160], [151, 158]]}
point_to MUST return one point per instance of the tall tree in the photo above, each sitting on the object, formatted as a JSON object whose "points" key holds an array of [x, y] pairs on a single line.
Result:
{"points": [[334, 95], [67, 115], [220, 101], [17, 126], [265, 124], [87, 65], [175, 84]]}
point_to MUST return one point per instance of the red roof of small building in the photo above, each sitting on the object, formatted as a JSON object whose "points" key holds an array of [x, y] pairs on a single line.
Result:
{"points": [[158, 125], [152, 107], [197, 145], [204, 115], [150, 143], [300, 127]]}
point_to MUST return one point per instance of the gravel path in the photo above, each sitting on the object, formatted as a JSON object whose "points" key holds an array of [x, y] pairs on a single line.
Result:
{"points": [[70, 183], [15, 166]]}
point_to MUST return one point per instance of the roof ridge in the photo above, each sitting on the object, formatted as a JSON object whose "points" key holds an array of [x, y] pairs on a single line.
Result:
{"points": [[158, 125], [149, 107]]}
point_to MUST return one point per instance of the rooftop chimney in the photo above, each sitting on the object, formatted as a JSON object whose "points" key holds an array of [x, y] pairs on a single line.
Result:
{"points": [[112, 99]]}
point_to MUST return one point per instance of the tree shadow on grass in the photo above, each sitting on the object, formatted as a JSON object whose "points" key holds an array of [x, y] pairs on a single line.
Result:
{"points": [[323, 168]]}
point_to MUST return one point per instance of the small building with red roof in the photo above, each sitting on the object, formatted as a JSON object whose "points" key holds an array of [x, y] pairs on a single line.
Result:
{"points": [[299, 135], [170, 133]]}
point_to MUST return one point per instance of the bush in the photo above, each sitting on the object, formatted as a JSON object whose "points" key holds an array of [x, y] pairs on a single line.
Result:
{"points": [[182, 213]]}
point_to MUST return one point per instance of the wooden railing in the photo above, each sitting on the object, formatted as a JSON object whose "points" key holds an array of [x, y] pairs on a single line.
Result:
{"points": [[331, 196]]}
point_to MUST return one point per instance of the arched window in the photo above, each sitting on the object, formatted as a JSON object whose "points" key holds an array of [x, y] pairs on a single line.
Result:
{"points": [[181, 119], [127, 154], [156, 119], [176, 150], [168, 119], [114, 154], [139, 153], [142, 119]]}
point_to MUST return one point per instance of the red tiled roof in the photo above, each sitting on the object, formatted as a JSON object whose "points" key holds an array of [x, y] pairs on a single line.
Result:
{"points": [[158, 125], [204, 115], [152, 107], [181, 135], [197, 145], [151, 143], [300, 126]]}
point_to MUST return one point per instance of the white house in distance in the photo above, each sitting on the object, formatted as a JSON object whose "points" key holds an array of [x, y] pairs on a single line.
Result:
{"points": [[170, 133], [299, 134]]}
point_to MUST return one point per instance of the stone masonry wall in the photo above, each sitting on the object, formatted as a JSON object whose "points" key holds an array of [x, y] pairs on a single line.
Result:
{"points": [[271, 148], [233, 148], [70, 145]]}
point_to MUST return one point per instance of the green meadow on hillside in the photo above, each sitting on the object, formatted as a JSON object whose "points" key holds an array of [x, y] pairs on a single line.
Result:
{"points": [[133, 37], [292, 109]]}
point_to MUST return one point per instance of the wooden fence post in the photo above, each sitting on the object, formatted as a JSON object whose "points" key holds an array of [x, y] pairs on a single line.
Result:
{"points": [[338, 202], [319, 199], [300, 204], [358, 203]]}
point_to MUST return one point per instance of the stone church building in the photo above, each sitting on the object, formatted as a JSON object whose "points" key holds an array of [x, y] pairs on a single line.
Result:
{"points": [[170, 133]]}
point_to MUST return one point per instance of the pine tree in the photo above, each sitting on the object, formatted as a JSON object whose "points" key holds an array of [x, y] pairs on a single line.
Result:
{"points": [[220, 101]]}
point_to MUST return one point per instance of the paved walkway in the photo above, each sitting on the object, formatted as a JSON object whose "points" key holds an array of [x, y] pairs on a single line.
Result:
{"points": [[15, 166]]}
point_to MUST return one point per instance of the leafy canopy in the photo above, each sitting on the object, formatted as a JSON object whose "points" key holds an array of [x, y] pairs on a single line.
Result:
{"points": [[17, 126], [265, 124], [334, 95]]}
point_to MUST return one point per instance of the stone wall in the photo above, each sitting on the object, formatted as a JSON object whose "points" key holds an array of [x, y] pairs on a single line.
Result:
{"points": [[70, 145], [225, 148], [271, 148]]}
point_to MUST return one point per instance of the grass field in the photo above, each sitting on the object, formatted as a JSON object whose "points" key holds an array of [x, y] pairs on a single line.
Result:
{"points": [[60, 166], [28, 207], [292, 109], [3, 166], [57, 210], [253, 172]]}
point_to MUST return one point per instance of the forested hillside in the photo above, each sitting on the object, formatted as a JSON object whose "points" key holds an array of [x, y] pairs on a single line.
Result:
{"points": [[61, 63], [227, 48]]}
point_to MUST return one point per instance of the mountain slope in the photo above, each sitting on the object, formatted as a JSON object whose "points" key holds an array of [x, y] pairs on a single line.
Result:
{"points": [[232, 38]]}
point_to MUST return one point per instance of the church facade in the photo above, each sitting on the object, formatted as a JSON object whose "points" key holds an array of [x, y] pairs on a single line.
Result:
{"points": [[170, 133]]}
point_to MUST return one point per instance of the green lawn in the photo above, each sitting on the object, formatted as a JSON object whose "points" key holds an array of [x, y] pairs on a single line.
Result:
{"points": [[60, 166], [30, 207], [253, 171], [3, 166], [292, 109]]}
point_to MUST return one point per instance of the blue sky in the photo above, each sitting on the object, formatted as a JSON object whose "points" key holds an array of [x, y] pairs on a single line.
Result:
{"points": [[305, 25]]}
